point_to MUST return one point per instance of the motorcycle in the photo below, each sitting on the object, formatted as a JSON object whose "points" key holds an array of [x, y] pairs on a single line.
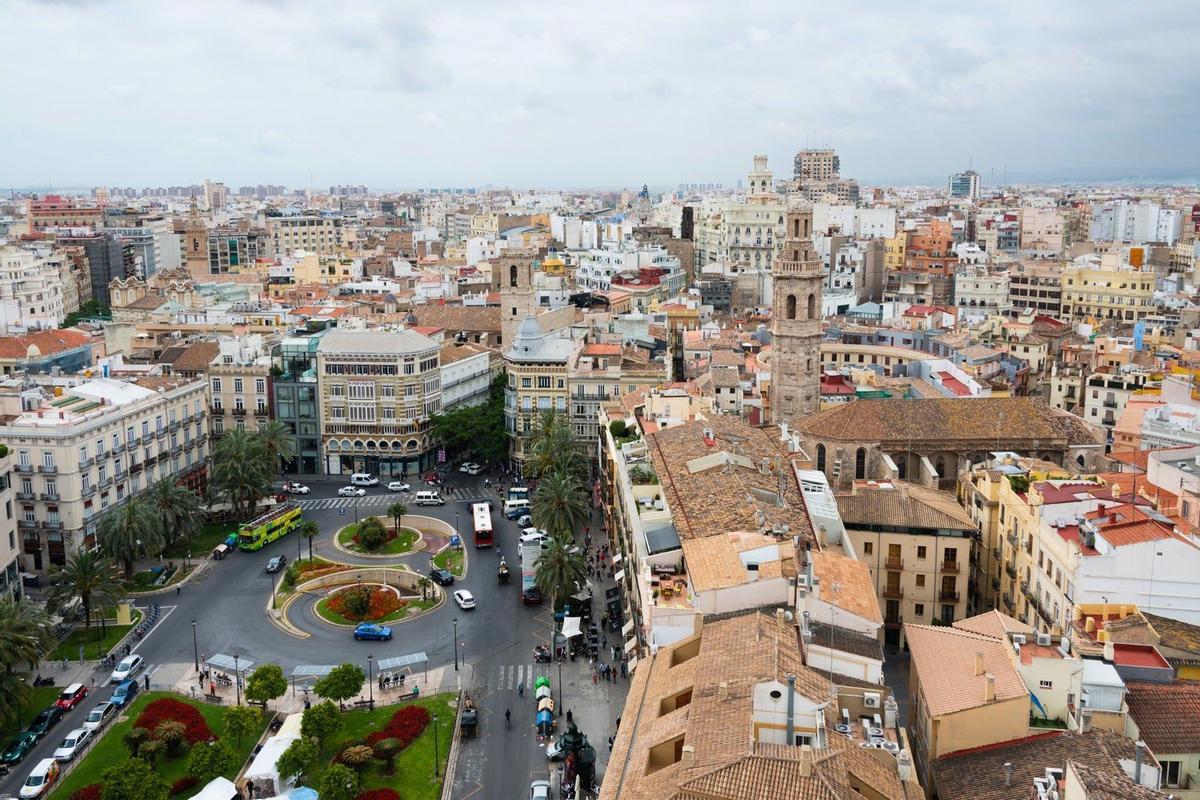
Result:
{"points": [[40, 681], [542, 654]]}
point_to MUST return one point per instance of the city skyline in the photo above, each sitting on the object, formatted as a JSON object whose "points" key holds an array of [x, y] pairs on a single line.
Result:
{"points": [[304, 93]]}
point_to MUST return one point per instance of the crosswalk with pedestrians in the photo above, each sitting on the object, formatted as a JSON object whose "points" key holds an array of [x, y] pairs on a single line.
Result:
{"points": [[507, 677], [372, 500]]}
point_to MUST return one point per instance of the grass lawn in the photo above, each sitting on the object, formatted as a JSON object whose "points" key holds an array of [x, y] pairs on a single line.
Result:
{"points": [[110, 751], [93, 648], [203, 542], [451, 558], [39, 697], [144, 581], [401, 544], [414, 766]]}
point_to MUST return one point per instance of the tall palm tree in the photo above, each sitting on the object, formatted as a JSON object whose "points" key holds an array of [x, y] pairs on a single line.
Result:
{"points": [[177, 510], [241, 473], [397, 511], [309, 530], [553, 447], [90, 578], [559, 571], [558, 504], [278, 444], [24, 633], [128, 532]]}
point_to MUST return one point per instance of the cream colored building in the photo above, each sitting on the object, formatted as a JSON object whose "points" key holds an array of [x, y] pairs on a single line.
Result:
{"points": [[378, 391], [917, 544], [746, 234], [1104, 287], [537, 364], [1042, 230], [601, 373], [78, 453], [10, 564], [31, 290], [239, 380], [321, 235]]}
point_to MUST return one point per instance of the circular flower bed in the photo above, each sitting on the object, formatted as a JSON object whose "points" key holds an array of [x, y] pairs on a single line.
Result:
{"points": [[166, 708], [372, 536], [368, 603]]}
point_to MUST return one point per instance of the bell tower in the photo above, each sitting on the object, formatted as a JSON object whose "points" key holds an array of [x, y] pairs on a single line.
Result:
{"points": [[512, 277], [796, 322], [195, 245]]}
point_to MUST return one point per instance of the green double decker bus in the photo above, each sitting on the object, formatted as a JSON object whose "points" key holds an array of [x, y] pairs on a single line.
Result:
{"points": [[266, 528]]}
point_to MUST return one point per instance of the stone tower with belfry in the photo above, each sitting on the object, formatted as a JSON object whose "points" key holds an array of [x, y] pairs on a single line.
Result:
{"points": [[512, 277], [796, 322]]}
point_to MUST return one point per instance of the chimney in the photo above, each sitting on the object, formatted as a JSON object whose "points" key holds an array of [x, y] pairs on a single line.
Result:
{"points": [[978, 662], [1008, 773], [1138, 757], [989, 688], [806, 761], [780, 619], [688, 756], [791, 708], [904, 766], [723, 690]]}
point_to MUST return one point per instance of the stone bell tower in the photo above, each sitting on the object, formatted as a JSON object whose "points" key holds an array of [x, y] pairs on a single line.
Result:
{"points": [[796, 322]]}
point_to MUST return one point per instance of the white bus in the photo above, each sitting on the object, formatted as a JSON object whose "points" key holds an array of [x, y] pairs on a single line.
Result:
{"points": [[482, 514]]}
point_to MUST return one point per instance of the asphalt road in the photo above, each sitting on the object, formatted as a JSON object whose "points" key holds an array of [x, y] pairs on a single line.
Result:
{"points": [[228, 602]]}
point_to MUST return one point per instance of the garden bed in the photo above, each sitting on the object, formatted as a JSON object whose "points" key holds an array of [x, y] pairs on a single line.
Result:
{"points": [[209, 536], [453, 559], [394, 545], [94, 647]]}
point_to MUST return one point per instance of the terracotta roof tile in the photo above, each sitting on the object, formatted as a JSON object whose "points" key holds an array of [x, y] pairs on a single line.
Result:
{"points": [[902, 503], [1167, 714], [944, 659], [44, 343], [197, 357]]}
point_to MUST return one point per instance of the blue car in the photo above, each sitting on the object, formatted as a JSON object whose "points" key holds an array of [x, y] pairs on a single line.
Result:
{"points": [[125, 692], [369, 630]]}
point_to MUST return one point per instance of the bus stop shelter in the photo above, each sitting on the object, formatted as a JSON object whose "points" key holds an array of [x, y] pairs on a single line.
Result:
{"points": [[230, 665], [401, 663], [308, 674]]}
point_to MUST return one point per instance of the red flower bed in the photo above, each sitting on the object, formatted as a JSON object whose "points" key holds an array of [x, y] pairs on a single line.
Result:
{"points": [[89, 792], [382, 602], [184, 784], [195, 728], [378, 794], [405, 725]]}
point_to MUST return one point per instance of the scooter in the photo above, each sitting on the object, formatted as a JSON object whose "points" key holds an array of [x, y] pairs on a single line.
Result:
{"points": [[542, 654]]}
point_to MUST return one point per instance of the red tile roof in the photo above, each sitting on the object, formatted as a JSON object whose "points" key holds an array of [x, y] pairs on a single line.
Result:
{"points": [[45, 342], [954, 384], [1167, 714]]}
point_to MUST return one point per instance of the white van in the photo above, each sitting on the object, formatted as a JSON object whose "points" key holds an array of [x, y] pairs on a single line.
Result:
{"points": [[429, 499], [363, 479], [511, 508], [42, 778]]}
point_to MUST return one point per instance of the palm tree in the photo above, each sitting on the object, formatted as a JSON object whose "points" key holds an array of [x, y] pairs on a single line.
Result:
{"points": [[559, 572], [129, 531], [90, 578], [24, 633], [177, 510], [558, 504], [277, 441], [241, 473], [553, 446], [309, 530], [397, 511]]}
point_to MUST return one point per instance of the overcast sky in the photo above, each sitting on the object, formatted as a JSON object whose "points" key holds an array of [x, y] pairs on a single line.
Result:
{"points": [[575, 94]]}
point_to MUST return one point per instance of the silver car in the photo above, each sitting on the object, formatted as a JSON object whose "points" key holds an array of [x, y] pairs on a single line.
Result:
{"points": [[72, 744]]}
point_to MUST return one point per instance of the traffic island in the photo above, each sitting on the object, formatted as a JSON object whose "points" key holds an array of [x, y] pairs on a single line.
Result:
{"points": [[374, 538], [419, 594]]}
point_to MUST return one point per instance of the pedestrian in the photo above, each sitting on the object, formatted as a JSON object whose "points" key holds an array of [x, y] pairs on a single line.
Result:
{"points": [[212, 688], [177, 588], [147, 677], [610, 743], [520, 688], [595, 678]]}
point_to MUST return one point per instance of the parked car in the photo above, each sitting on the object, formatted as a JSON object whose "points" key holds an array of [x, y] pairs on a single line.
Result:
{"points": [[124, 693], [44, 721], [539, 790], [71, 696], [42, 778], [276, 563], [397, 486], [295, 488], [129, 666], [99, 716], [372, 632], [524, 521], [516, 512], [352, 491], [72, 744], [18, 747], [432, 478], [470, 467], [554, 750], [465, 600], [442, 577]]}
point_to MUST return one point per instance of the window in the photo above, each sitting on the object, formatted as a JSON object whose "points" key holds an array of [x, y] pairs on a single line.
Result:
{"points": [[868, 548], [820, 458], [919, 610], [920, 551], [260, 385], [1171, 772], [543, 382], [920, 580], [1046, 684], [48, 458], [83, 452], [216, 383], [860, 464]]}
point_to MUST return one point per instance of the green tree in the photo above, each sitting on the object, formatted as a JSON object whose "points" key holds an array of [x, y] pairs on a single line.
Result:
{"points": [[208, 760], [173, 734], [241, 473], [397, 511], [343, 682], [300, 757], [309, 530], [357, 600], [320, 721], [128, 532], [618, 428], [371, 534], [357, 756], [177, 510], [338, 783], [479, 430], [266, 683], [24, 634], [133, 780], [242, 721], [151, 749], [553, 448], [88, 577], [559, 571], [424, 583], [559, 506], [386, 751], [134, 738], [278, 444]]}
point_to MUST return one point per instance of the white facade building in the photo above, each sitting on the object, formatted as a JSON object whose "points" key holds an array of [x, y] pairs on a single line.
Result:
{"points": [[1127, 221], [31, 290]]}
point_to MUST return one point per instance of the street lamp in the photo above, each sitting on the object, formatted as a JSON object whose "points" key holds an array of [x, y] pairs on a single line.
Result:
{"points": [[370, 681], [195, 647], [457, 529], [436, 757], [560, 683], [455, 644], [237, 678]]}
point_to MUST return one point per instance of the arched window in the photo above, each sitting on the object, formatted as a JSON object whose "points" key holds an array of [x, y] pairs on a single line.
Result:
{"points": [[1080, 460], [796, 228], [821, 458], [941, 467], [860, 464], [791, 306], [812, 307], [512, 275]]}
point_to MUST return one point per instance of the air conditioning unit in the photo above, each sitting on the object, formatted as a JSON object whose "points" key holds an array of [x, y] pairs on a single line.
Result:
{"points": [[1018, 638], [1043, 639], [871, 700]]}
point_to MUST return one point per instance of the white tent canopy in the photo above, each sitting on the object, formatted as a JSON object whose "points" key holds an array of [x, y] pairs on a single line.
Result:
{"points": [[262, 770], [570, 627], [217, 789]]}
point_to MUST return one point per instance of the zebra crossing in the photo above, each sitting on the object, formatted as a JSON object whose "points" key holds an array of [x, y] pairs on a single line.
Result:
{"points": [[371, 500], [507, 677]]}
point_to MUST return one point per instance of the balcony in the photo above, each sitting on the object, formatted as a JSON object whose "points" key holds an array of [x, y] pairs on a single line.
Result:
{"points": [[950, 567], [52, 524], [1109, 404], [118, 448], [119, 473], [262, 412], [105, 483], [138, 467], [202, 438], [893, 591], [146, 438], [26, 496], [893, 622], [84, 463], [216, 408], [87, 491], [239, 412], [1012, 539], [173, 426], [50, 497], [189, 444], [996, 553], [1011, 570], [1009, 603], [27, 524], [894, 562], [23, 468], [48, 469], [995, 584], [948, 596]]}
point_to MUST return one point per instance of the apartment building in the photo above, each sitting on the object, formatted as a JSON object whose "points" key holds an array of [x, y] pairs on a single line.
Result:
{"points": [[1105, 395], [237, 248], [604, 372], [537, 366], [86, 449], [10, 561], [31, 290], [918, 544], [53, 211], [378, 392], [1042, 230], [240, 381], [467, 373], [1036, 286], [294, 392], [1104, 288], [322, 235]]}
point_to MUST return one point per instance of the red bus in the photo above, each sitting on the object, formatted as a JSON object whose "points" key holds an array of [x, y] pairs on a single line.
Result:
{"points": [[482, 513]]}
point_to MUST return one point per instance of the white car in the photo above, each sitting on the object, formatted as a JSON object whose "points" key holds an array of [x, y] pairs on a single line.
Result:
{"points": [[397, 486], [72, 744], [295, 488], [99, 716], [129, 666], [465, 599], [539, 790], [351, 491], [470, 467]]}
